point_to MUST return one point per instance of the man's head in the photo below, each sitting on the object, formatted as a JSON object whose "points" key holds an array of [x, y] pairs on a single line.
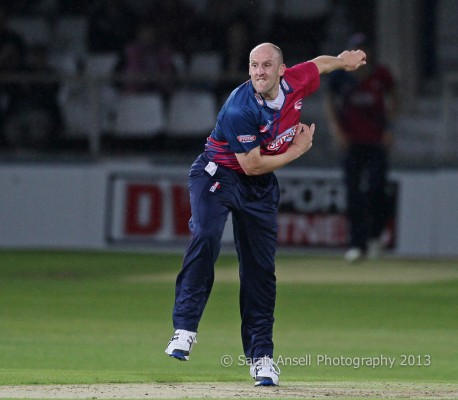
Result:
{"points": [[266, 68]]}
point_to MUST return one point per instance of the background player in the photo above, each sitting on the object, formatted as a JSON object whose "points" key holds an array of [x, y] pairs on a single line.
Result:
{"points": [[257, 132], [361, 107]]}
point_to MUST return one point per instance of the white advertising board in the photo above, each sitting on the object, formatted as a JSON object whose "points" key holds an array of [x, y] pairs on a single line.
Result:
{"points": [[104, 206]]}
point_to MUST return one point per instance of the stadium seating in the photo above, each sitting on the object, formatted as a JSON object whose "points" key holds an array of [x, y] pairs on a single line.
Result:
{"points": [[34, 30], [100, 65], [83, 114], [70, 36], [191, 113], [205, 64], [139, 115]]}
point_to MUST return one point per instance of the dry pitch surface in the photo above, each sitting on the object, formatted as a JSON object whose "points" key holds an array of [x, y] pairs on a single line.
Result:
{"points": [[307, 390]]}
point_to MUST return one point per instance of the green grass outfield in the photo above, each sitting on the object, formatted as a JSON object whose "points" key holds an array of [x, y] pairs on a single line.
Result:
{"points": [[76, 317]]}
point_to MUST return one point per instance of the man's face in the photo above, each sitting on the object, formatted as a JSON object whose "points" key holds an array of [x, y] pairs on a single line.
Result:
{"points": [[265, 71]]}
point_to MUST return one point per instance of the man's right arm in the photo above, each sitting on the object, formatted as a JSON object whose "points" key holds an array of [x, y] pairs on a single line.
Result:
{"points": [[255, 163]]}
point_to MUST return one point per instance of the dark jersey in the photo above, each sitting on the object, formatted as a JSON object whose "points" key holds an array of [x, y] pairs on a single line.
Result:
{"points": [[362, 113], [245, 121]]}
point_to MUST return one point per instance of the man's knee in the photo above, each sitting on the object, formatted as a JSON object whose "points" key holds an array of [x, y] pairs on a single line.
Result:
{"points": [[207, 232]]}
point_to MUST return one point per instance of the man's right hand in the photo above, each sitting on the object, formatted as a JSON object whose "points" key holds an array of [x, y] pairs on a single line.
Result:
{"points": [[255, 163], [303, 139]]}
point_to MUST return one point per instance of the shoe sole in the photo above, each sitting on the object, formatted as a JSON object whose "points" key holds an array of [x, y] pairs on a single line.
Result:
{"points": [[179, 356], [265, 382]]}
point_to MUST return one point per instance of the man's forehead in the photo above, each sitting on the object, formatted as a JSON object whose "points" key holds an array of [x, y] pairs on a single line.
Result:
{"points": [[265, 53]]}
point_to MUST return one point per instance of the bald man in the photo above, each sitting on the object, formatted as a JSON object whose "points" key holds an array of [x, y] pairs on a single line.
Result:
{"points": [[257, 131]]}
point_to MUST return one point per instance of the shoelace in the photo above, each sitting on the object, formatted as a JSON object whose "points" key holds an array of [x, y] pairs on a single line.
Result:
{"points": [[267, 362], [190, 339]]}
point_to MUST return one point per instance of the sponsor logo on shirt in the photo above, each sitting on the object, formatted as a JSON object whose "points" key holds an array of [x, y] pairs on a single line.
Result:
{"points": [[246, 138], [215, 187], [286, 136], [298, 105], [266, 127]]}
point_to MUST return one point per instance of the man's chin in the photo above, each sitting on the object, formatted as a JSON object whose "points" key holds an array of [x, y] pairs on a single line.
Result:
{"points": [[260, 89]]}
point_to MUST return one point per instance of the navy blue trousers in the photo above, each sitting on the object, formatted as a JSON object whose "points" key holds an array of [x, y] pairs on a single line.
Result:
{"points": [[253, 202], [365, 179]]}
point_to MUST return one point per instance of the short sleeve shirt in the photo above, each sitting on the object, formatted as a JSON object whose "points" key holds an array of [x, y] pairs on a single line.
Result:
{"points": [[245, 121]]}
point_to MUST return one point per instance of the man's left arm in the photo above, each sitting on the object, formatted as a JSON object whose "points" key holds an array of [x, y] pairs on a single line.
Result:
{"points": [[349, 60]]}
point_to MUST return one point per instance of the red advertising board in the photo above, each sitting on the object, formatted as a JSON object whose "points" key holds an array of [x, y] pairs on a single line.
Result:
{"points": [[311, 213]]}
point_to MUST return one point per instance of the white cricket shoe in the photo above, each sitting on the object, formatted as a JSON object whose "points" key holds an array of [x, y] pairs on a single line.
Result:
{"points": [[265, 372], [180, 345], [354, 254]]}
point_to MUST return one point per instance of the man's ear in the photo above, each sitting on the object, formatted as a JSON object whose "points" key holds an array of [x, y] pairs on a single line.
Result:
{"points": [[282, 69]]}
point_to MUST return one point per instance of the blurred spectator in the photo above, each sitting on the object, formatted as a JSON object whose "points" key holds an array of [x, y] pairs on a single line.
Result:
{"points": [[73, 7], [175, 22], [361, 107], [44, 96], [22, 7], [12, 52], [32, 118], [300, 25], [227, 29], [148, 54], [111, 26], [239, 39], [8, 38]]}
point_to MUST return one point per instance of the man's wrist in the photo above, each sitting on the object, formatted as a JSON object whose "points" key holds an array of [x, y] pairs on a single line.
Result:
{"points": [[294, 151], [340, 62]]}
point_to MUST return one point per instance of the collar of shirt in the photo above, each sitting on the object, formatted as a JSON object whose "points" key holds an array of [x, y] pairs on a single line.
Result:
{"points": [[277, 103]]}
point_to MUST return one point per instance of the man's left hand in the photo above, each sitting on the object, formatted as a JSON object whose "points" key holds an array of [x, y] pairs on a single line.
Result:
{"points": [[352, 59]]}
